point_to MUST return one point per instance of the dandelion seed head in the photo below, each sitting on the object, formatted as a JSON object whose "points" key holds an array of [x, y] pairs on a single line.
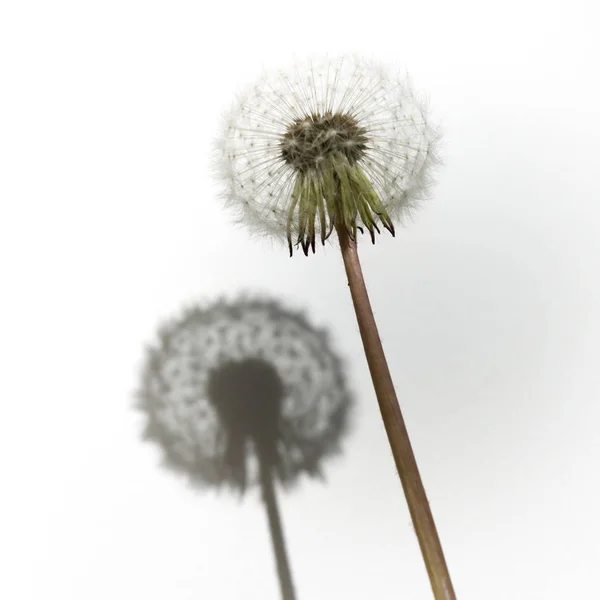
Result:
{"points": [[234, 379], [329, 143]]}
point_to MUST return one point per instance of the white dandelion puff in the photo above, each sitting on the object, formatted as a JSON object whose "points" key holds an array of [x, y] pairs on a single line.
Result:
{"points": [[331, 143], [235, 380]]}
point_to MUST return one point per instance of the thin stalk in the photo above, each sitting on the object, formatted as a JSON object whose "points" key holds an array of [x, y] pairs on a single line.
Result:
{"points": [[404, 457], [279, 548]]}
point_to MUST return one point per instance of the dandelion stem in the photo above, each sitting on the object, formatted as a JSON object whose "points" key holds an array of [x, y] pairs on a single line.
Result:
{"points": [[404, 458], [270, 499]]}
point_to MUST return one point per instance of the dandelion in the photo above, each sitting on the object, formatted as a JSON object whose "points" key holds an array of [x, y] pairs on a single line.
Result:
{"points": [[245, 393], [339, 145]]}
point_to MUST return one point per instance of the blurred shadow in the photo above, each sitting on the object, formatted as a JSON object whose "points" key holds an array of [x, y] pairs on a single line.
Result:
{"points": [[245, 393]]}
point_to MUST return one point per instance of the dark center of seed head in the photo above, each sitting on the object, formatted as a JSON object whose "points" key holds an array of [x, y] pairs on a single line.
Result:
{"points": [[247, 396], [309, 141]]}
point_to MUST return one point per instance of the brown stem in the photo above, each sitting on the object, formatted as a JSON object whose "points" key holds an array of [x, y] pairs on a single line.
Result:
{"points": [[394, 425], [270, 499]]}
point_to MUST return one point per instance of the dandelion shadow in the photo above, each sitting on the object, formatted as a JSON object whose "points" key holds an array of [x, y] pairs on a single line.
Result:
{"points": [[245, 393]]}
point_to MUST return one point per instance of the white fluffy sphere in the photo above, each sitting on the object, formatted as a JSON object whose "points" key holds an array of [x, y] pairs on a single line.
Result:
{"points": [[293, 136]]}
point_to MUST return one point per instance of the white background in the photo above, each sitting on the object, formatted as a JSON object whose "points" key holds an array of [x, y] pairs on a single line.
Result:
{"points": [[488, 303]]}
